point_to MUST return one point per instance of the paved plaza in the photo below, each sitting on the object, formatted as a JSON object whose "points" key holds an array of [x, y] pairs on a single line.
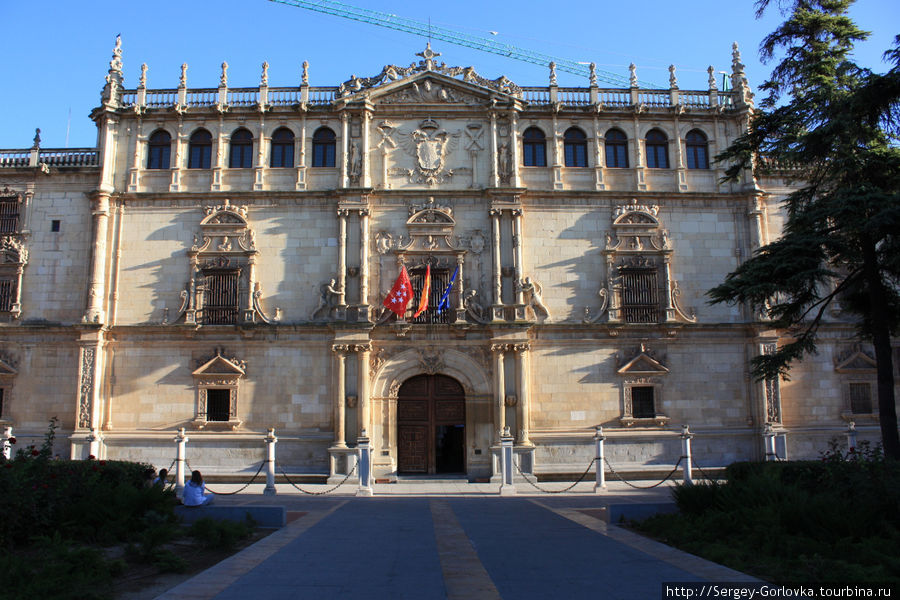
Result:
{"points": [[449, 540]]}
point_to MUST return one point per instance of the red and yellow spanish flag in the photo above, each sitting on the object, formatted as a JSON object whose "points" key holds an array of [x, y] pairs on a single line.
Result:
{"points": [[426, 291]]}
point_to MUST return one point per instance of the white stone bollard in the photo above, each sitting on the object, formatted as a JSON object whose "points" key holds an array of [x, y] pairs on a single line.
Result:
{"points": [[364, 465], [600, 484], [180, 441], [686, 436], [6, 442], [507, 486], [270, 441], [851, 437], [769, 436], [93, 439]]}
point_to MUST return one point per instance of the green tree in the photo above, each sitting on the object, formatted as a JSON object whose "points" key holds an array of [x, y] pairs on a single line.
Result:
{"points": [[835, 125]]}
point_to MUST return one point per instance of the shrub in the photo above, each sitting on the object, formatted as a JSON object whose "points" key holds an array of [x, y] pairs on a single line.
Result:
{"points": [[211, 533]]}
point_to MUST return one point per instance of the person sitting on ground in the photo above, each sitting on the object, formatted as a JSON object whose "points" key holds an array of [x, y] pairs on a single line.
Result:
{"points": [[161, 480], [194, 491]]}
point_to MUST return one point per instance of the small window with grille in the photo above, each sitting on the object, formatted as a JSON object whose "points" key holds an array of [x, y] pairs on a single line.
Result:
{"points": [[640, 294], [9, 215], [642, 402], [218, 404], [440, 279], [861, 398], [7, 294], [220, 297]]}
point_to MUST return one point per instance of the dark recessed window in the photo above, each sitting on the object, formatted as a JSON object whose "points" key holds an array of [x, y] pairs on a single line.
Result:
{"points": [[861, 398], [218, 403], [697, 150], [54, 225], [240, 155], [575, 145], [159, 148], [642, 404], [323, 147], [616, 149], [7, 294], [200, 150], [282, 148], [534, 148], [657, 150]]}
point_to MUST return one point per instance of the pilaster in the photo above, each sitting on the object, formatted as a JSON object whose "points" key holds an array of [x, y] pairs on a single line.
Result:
{"points": [[97, 291]]}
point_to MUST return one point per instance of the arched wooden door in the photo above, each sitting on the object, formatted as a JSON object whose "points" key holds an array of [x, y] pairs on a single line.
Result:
{"points": [[431, 425]]}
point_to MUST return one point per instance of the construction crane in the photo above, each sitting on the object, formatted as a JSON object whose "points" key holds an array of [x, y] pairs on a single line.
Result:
{"points": [[414, 27]]}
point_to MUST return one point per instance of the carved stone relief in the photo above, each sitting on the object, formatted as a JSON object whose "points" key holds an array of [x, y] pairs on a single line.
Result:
{"points": [[430, 146]]}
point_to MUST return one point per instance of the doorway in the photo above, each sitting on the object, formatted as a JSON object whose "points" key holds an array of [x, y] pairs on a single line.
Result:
{"points": [[431, 426]]}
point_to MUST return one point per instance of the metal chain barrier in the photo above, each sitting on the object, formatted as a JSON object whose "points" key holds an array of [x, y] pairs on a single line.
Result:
{"points": [[246, 485], [643, 487], [546, 491], [702, 472], [328, 491]]}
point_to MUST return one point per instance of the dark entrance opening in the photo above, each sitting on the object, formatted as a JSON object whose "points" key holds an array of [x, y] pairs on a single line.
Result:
{"points": [[431, 425]]}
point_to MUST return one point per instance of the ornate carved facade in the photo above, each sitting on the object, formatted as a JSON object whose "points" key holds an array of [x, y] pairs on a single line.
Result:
{"points": [[564, 237]]}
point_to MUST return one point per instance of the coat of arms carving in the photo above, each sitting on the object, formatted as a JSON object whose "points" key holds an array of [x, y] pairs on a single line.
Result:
{"points": [[430, 146]]}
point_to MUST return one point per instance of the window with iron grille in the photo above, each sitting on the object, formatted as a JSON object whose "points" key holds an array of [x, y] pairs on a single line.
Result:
{"points": [[1, 401], [642, 402], [7, 294], [440, 279], [640, 295], [9, 215], [861, 398], [218, 404], [220, 297]]}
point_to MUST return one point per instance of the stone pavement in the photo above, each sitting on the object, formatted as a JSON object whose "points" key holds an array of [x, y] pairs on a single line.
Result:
{"points": [[448, 540]]}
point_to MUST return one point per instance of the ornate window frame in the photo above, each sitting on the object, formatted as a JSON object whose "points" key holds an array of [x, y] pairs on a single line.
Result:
{"points": [[13, 258], [218, 373], [227, 242], [857, 365], [8, 374], [638, 240], [643, 370]]}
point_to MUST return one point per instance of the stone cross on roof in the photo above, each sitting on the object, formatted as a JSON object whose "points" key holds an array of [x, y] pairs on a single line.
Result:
{"points": [[428, 54]]}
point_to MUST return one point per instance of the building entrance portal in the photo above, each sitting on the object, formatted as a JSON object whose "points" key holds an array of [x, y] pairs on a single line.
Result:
{"points": [[431, 425]]}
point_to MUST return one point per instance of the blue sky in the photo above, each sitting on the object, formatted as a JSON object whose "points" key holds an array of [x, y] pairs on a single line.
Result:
{"points": [[56, 52]]}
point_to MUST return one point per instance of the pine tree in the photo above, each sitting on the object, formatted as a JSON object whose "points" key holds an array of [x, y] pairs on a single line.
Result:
{"points": [[835, 125]]}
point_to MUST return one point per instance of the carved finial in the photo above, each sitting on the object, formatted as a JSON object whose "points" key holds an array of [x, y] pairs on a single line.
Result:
{"points": [[712, 78], [736, 65], [37, 138], [552, 73], [593, 76], [264, 80], [142, 82], [223, 78], [673, 81], [304, 79], [738, 77], [632, 75], [114, 76], [183, 81], [115, 65], [429, 55]]}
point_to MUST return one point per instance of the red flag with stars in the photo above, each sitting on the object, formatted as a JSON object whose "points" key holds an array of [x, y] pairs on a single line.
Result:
{"points": [[400, 294]]}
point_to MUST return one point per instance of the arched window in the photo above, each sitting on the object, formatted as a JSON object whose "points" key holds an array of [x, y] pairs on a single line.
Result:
{"points": [[697, 150], [575, 146], [323, 147], [282, 148], [158, 150], [616, 149], [199, 149], [657, 150], [534, 148], [240, 155]]}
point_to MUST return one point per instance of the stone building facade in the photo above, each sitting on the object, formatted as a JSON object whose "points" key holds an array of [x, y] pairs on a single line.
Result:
{"points": [[220, 260]]}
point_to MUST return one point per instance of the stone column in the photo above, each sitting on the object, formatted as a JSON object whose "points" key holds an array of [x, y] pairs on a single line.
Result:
{"points": [[460, 304], [251, 284], [270, 441], [176, 163], [363, 352], [556, 161], [517, 255], [499, 351], [261, 148], [97, 290], [599, 158], [523, 406], [495, 176], [134, 174], [219, 156], [343, 213], [363, 309], [514, 147], [497, 309], [365, 179], [339, 374], [345, 140], [600, 464], [300, 183], [180, 441]]}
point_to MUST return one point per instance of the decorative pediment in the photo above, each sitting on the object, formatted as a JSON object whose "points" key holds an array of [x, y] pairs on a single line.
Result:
{"points": [[430, 227], [225, 213], [856, 360], [643, 364], [220, 367], [636, 215], [436, 72]]}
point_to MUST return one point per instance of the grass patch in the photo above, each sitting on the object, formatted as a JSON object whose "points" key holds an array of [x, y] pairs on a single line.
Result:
{"points": [[829, 521]]}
